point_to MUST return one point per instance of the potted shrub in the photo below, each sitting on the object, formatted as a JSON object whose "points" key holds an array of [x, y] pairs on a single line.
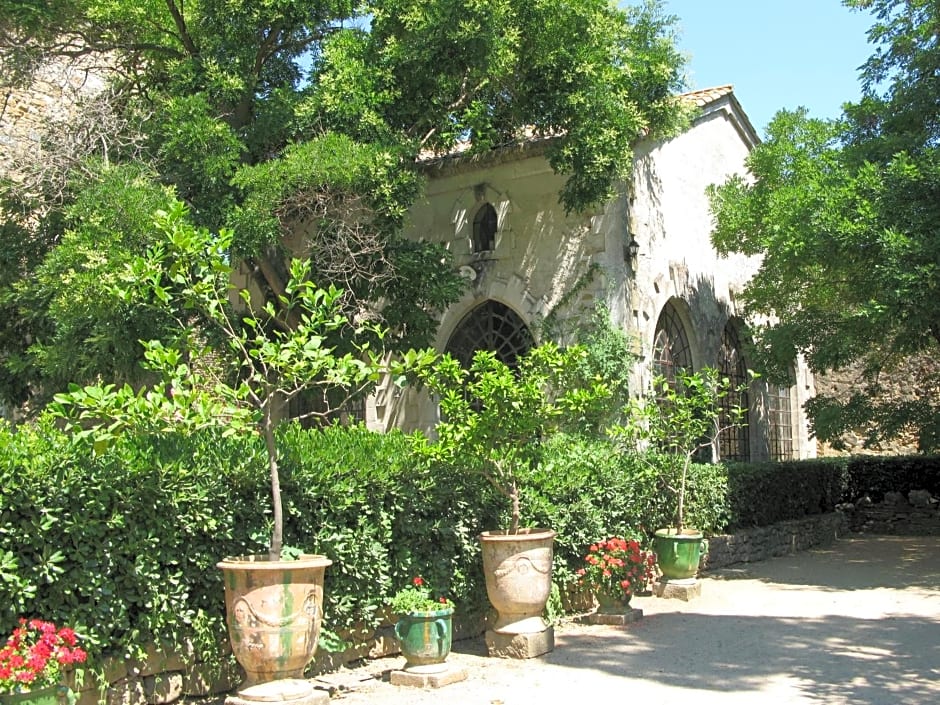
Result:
{"points": [[615, 570], [34, 661], [670, 426], [235, 368], [423, 628], [493, 419]]}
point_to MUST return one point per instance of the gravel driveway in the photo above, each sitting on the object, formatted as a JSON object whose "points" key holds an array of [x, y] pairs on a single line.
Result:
{"points": [[858, 622]]}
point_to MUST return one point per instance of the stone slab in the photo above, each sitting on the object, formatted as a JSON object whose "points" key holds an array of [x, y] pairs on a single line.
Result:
{"points": [[521, 646], [618, 619], [685, 590], [288, 690], [437, 679]]}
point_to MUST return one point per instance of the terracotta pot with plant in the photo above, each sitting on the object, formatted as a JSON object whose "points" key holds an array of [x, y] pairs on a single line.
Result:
{"points": [[615, 570], [493, 418], [669, 427], [265, 355]]}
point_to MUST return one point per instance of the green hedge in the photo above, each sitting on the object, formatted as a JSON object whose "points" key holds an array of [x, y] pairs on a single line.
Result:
{"points": [[874, 475], [122, 544], [765, 493]]}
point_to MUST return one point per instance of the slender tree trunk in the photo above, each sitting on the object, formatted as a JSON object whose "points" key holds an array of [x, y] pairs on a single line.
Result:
{"points": [[680, 512], [277, 534], [514, 496]]}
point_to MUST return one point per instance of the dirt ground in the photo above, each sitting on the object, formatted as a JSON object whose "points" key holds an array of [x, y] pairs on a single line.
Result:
{"points": [[858, 622]]}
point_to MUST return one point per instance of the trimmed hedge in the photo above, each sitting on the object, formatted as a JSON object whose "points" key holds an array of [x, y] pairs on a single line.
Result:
{"points": [[874, 475], [765, 493]]}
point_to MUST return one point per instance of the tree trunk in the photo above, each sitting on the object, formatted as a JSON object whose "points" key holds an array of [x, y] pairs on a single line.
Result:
{"points": [[277, 534]]}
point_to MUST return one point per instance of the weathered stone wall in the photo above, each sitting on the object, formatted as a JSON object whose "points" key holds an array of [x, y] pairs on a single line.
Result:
{"points": [[781, 539], [916, 378], [918, 514], [25, 114]]}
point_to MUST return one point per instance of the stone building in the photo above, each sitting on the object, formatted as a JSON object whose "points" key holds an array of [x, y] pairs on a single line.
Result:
{"points": [[645, 255]]}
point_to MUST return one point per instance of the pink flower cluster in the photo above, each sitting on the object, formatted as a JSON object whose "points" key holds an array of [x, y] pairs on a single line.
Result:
{"points": [[617, 567], [35, 656]]}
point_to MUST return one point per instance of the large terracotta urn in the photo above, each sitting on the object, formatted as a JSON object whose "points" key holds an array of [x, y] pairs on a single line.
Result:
{"points": [[273, 610], [518, 571]]}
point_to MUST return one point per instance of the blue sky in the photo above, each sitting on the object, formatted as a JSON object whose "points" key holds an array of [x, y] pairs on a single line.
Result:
{"points": [[777, 54]]}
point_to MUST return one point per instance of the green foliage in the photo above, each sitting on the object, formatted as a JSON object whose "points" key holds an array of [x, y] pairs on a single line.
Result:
{"points": [[844, 216], [678, 418], [236, 385], [494, 416], [61, 320], [123, 542], [873, 476], [586, 488], [310, 117], [765, 493]]}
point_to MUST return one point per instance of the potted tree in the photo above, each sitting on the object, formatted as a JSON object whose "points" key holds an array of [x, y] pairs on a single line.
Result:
{"points": [[493, 418], [671, 425], [235, 367]]}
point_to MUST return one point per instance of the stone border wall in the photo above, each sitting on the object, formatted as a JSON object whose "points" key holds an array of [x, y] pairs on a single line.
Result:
{"points": [[781, 539], [918, 514]]}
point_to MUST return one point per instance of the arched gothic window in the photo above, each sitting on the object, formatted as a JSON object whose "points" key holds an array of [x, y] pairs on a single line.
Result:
{"points": [[671, 350], [485, 224], [490, 326], [733, 442]]}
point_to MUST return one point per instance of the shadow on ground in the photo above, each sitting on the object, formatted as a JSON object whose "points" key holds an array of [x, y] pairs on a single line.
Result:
{"points": [[852, 564], [832, 659]]}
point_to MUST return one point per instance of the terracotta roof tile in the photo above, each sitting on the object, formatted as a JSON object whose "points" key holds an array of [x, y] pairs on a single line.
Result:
{"points": [[705, 96]]}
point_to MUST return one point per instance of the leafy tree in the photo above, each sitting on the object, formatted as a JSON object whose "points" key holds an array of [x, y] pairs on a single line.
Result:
{"points": [[668, 427], [495, 417], [844, 214], [241, 377], [289, 117]]}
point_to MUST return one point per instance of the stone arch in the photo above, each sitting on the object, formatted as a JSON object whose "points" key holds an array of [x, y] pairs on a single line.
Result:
{"points": [[672, 341], [494, 326]]}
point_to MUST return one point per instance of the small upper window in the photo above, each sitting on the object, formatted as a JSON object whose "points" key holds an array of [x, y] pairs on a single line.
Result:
{"points": [[484, 229]]}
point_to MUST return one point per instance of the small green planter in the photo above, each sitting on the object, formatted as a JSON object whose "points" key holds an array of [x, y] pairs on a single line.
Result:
{"points": [[425, 637], [678, 554], [51, 695]]}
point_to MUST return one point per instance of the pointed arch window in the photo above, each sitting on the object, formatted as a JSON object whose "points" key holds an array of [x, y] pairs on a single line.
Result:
{"points": [[491, 326], [671, 349], [485, 224], [733, 442]]}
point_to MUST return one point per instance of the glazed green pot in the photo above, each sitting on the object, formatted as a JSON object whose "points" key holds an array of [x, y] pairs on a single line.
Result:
{"points": [[678, 554], [425, 637], [51, 695]]}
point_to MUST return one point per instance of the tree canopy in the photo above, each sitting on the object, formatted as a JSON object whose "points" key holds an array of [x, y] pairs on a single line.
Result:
{"points": [[845, 214], [278, 117]]}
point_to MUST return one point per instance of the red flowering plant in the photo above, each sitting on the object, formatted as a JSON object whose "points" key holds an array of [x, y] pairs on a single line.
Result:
{"points": [[36, 655], [418, 597], [617, 568]]}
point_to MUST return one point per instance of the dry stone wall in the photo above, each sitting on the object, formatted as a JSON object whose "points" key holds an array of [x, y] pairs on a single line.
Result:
{"points": [[917, 514], [781, 539]]}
